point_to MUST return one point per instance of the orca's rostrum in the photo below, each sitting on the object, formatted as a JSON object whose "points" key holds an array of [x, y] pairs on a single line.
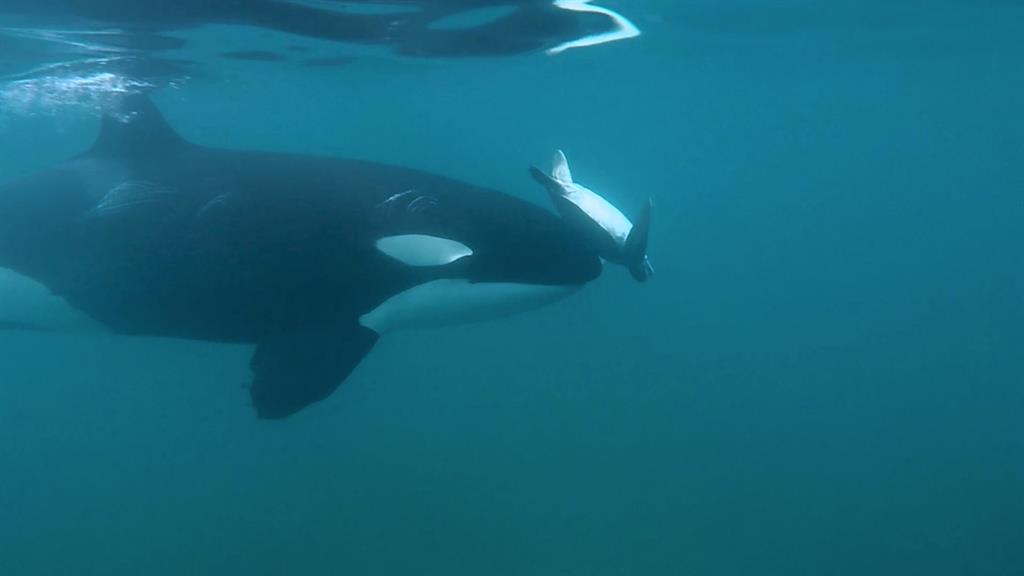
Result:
{"points": [[309, 258]]}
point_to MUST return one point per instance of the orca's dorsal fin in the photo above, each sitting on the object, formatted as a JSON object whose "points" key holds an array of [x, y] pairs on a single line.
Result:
{"points": [[560, 168], [137, 128]]}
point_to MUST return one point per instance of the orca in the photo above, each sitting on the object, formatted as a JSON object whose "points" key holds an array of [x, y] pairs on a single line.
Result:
{"points": [[311, 259], [421, 28]]}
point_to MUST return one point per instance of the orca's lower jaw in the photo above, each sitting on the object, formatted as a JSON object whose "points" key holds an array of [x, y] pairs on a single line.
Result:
{"points": [[454, 301]]}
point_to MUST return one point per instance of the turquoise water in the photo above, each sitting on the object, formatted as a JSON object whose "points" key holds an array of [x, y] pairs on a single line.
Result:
{"points": [[824, 376]]}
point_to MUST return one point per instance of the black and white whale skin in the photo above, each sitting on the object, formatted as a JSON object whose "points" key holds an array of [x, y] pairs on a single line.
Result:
{"points": [[308, 258], [422, 28]]}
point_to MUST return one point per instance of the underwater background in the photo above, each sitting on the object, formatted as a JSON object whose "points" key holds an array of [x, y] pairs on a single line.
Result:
{"points": [[825, 375]]}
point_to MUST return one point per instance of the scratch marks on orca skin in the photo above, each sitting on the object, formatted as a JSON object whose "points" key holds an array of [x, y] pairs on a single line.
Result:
{"points": [[409, 201], [219, 202], [130, 194], [421, 204]]}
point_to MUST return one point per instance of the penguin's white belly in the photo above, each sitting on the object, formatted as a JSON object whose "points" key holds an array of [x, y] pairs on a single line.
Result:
{"points": [[601, 212]]}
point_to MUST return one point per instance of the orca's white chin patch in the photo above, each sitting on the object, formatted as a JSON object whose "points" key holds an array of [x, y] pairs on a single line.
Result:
{"points": [[455, 301], [29, 304]]}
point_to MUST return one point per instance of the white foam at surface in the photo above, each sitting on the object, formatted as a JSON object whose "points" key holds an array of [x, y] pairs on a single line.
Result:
{"points": [[49, 94]]}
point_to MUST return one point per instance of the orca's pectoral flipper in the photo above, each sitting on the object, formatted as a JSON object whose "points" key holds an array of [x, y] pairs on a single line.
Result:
{"points": [[291, 371]]}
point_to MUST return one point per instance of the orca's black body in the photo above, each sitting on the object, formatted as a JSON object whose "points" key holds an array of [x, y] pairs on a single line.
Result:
{"points": [[411, 27], [151, 235]]}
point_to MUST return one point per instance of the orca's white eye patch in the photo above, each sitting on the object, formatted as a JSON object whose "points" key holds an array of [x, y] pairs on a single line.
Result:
{"points": [[423, 250]]}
